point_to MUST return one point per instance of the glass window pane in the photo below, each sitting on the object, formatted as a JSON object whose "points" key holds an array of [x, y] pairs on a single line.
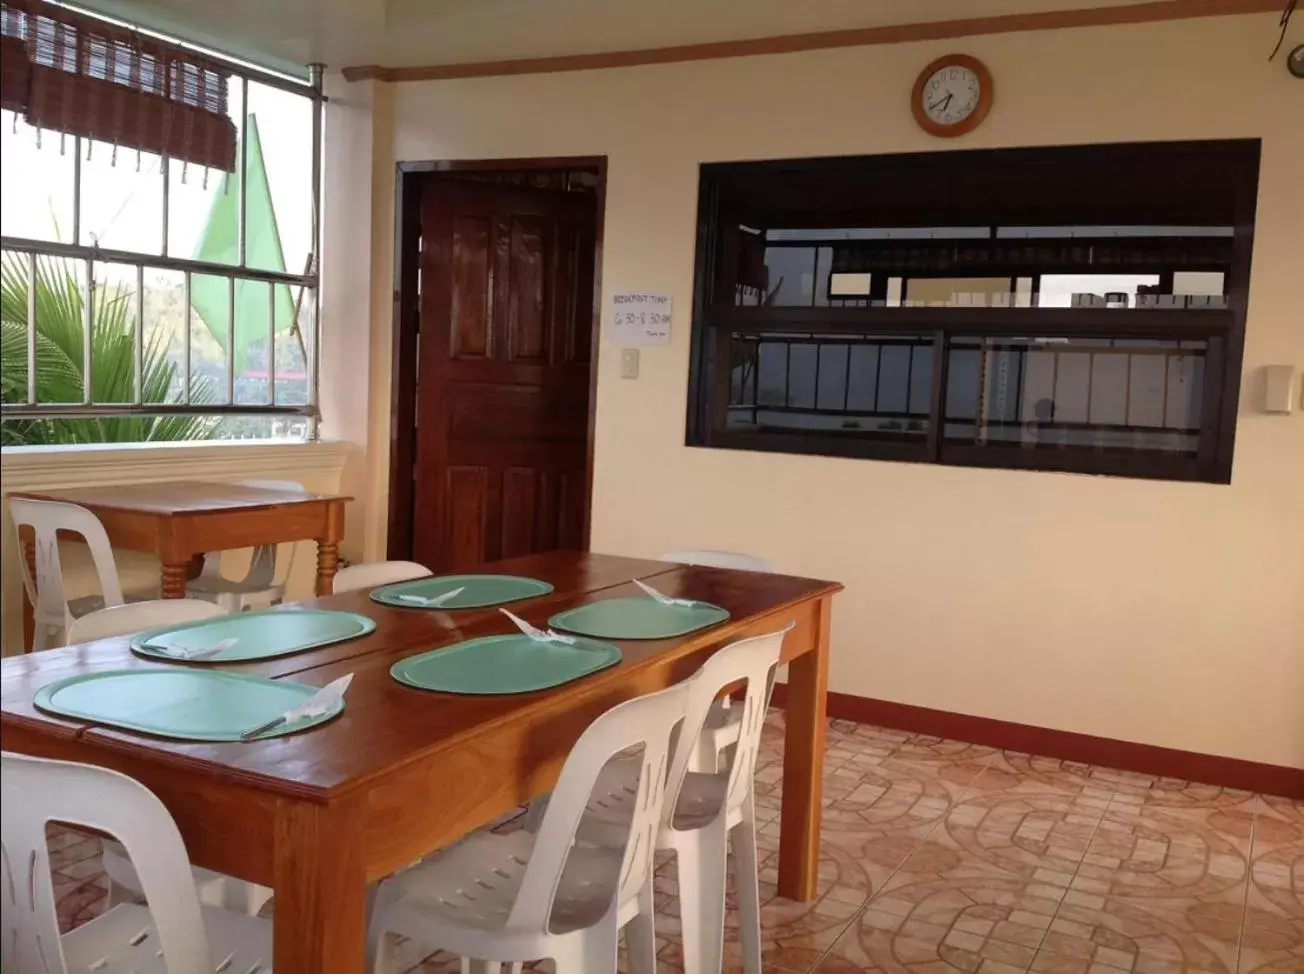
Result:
{"points": [[121, 199], [210, 332], [790, 273], [165, 326], [1107, 395], [278, 206], [1068, 290], [36, 190], [204, 205], [113, 314]]}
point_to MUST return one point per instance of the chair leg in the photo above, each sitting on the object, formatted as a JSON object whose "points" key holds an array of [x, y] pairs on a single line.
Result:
{"points": [[380, 952], [640, 935], [702, 865], [742, 841]]}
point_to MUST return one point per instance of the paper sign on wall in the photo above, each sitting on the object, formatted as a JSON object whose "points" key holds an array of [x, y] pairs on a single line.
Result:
{"points": [[638, 318]]}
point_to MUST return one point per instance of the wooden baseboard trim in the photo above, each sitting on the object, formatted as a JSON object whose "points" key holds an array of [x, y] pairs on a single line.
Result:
{"points": [[1164, 762], [1147, 12]]}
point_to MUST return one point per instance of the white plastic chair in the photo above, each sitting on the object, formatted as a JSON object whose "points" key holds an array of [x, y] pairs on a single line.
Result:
{"points": [[120, 620], [721, 729], [214, 889], [377, 573], [51, 609], [263, 584], [705, 815], [495, 899], [173, 935]]}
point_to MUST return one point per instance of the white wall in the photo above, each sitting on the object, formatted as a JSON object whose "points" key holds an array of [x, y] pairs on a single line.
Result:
{"points": [[1171, 614]]}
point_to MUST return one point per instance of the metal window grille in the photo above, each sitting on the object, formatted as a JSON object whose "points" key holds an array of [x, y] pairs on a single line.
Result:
{"points": [[305, 286]]}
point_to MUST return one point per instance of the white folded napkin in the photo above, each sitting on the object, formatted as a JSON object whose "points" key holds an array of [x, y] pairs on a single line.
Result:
{"points": [[319, 703], [663, 599], [177, 651], [432, 601], [539, 635]]}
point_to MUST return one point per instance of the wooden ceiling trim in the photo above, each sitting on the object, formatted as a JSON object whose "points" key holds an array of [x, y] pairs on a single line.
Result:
{"points": [[1131, 13]]}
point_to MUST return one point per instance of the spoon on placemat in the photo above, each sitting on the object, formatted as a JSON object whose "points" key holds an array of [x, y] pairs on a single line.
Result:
{"points": [[316, 705], [664, 599], [431, 601]]}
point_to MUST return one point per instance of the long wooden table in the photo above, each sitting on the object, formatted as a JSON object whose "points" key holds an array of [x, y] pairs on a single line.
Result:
{"points": [[402, 772]]}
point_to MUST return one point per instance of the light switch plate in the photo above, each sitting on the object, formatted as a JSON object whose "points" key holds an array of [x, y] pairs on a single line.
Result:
{"points": [[1278, 388], [629, 363]]}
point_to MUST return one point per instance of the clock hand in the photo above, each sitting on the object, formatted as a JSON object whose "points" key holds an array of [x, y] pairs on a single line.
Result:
{"points": [[942, 103]]}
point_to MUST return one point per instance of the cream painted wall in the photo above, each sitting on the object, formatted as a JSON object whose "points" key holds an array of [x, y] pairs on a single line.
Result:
{"points": [[1171, 614]]}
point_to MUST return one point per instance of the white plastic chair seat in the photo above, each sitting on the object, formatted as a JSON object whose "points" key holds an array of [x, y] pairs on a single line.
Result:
{"points": [[93, 603], [376, 573], [612, 804], [474, 884], [112, 943], [210, 886]]}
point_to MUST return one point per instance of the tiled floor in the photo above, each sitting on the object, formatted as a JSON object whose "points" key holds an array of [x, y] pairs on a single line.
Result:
{"points": [[940, 856]]}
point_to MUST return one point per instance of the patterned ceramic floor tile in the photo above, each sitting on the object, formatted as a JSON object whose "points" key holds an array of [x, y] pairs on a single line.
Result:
{"points": [[1272, 941], [941, 857]]}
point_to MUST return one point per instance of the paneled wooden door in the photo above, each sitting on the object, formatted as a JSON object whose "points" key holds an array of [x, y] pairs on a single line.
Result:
{"points": [[503, 368]]}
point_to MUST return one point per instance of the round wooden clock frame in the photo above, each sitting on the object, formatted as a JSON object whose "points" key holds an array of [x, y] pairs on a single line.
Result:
{"points": [[985, 93]]}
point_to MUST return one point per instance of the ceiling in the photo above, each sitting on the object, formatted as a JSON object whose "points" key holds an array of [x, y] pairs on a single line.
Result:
{"points": [[288, 34]]}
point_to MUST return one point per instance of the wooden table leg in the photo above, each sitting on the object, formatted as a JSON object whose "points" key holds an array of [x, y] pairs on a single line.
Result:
{"points": [[328, 548], [803, 765], [174, 579], [320, 885], [328, 562]]}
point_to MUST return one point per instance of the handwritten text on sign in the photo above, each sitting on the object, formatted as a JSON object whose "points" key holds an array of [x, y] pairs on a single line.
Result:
{"points": [[641, 319]]}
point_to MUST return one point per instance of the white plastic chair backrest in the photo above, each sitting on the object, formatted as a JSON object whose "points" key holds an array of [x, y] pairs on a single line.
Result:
{"points": [[262, 566], [645, 722], [119, 620], [47, 519], [377, 573], [718, 559], [750, 661], [37, 791]]}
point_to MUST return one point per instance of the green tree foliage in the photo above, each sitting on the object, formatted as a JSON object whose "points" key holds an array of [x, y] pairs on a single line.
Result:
{"points": [[59, 361]]}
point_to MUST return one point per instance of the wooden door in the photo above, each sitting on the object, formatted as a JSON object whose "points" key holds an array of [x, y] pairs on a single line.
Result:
{"points": [[506, 318]]}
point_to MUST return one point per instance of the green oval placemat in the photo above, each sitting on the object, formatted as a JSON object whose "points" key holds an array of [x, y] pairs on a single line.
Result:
{"points": [[638, 618], [504, 664], [258, 635], [186, 704], [478, 592]]}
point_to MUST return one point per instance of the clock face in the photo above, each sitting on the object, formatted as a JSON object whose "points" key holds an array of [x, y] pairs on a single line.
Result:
{"points": [[950, 95]]}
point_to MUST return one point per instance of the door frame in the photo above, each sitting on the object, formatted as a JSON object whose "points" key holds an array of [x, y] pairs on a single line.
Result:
{"points": [[409, 177]]}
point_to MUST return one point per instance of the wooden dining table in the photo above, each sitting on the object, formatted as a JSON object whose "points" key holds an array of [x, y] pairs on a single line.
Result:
{"points": [[402, 772], [179, 520]]}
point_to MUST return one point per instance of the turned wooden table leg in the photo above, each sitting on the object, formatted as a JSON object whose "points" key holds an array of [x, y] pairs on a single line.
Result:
{"points": [[328, 562], [174, 580], [328, 547]]}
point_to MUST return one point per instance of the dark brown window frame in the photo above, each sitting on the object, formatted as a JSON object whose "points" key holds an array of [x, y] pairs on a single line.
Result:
{"points": [[716, 320]]}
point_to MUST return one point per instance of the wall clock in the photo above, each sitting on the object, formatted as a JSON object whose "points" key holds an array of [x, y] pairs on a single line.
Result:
{"points": [[952, 95]]}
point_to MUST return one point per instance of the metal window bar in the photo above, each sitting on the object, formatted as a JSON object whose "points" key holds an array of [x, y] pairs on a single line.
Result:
{"points": [[31, 329], [88, 326], [244, 174], [89, 253], [230, 341]]}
